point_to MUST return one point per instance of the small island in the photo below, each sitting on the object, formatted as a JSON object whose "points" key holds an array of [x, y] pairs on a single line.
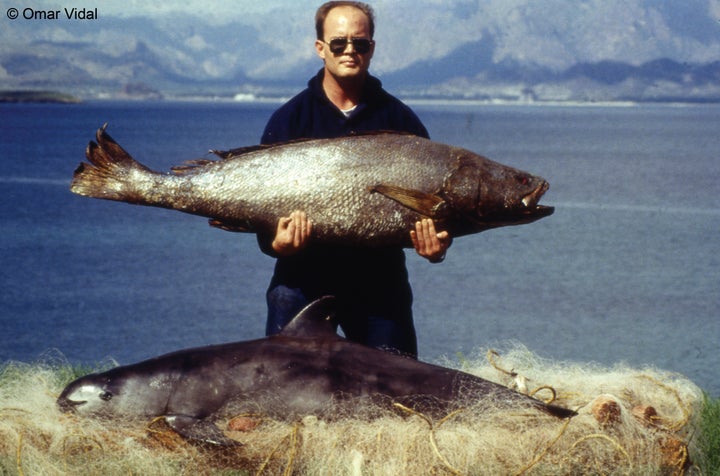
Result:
{"points": [[33, 96]]}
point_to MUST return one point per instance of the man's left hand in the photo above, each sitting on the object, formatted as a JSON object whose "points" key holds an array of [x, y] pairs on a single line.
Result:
{"points": [[428, 242]]}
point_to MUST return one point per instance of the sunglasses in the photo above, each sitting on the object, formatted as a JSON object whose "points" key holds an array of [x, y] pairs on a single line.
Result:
{"points": [[361, 45]]}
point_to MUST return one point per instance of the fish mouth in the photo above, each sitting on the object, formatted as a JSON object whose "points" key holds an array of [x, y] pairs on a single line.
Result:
{"points": [[530, 201], [70, 406], [531, 209], [539, 211], [525, 210]]}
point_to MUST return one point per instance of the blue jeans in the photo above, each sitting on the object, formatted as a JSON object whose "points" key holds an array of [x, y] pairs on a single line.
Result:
{"points": [[387, 329]]}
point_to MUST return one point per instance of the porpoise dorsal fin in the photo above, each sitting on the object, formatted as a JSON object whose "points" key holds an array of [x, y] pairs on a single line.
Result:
{"points": [[315, 320]]}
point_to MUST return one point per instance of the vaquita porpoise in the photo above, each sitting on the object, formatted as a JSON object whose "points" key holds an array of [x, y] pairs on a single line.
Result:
{"points": [[363, 190], [306, 369]]}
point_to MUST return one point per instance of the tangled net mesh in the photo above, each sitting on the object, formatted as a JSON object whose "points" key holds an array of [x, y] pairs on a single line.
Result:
{"points": [[629, 421]]}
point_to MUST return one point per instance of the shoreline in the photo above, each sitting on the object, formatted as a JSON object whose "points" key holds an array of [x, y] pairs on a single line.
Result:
{"points": [[54, 97]]}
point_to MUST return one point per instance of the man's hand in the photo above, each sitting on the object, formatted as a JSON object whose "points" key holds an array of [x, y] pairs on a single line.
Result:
{"points": [[293, 234], [429, 243]]}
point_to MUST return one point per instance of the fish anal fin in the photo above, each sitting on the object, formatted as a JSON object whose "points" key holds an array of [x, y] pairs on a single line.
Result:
{"points": [[427, 204], [199, 430], [235, 227]]}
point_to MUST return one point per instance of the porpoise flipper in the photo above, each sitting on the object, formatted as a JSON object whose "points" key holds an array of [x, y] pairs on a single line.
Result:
{"points": [[199, 430]]}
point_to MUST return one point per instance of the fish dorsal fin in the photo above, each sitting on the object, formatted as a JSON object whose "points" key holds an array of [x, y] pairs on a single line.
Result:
{"points": [[226, 154], [317, 319], [232, 153], [190, 165], [239, 151]]}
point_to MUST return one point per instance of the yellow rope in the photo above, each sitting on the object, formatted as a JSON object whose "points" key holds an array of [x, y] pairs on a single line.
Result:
{"points": [[682, 461], [491, 354], [12, 409], [149, 427], [686, 412], [603, 437], [433, 441], [67, 448], [539, 457], [262, 467], [449, 416], [163, 433], [545, 387], [293, 450], [18, 455], [292, 436]]}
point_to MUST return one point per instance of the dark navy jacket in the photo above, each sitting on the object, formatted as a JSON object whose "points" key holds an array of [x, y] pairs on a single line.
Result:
{"points": [[373, 277], [310, 114]]}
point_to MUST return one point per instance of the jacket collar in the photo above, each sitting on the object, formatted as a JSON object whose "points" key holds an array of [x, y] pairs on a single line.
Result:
{"points": [[372, 90]]}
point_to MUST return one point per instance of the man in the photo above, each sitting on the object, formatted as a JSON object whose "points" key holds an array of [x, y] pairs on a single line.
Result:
{"points": [[371, 285]]}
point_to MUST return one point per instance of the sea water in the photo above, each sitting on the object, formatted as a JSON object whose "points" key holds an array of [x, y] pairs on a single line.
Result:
{"points": [[627, 270]]}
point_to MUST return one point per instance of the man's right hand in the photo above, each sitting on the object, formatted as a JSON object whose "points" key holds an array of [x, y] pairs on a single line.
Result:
{"points": [[293, 234]]}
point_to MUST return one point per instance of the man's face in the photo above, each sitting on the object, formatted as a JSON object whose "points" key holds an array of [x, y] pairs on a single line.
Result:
{"points": [[345, 22]]}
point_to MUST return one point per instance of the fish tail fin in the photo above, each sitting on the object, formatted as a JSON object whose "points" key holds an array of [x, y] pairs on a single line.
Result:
{"points": [[109, 173]]}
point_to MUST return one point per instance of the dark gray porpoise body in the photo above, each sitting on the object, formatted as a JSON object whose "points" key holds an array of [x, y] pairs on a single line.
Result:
{"points": [[307, 369]]}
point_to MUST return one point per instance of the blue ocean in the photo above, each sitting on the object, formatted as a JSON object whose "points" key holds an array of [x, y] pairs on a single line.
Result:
{"points": [[627, 270]]}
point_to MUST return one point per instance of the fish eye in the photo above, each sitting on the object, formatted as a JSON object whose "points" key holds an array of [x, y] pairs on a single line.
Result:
{"points": [[523, 179], [106, 396]]}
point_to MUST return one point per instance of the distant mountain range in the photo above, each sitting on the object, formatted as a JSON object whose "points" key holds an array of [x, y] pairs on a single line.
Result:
{"points": [[595, 50], [658, 80]]}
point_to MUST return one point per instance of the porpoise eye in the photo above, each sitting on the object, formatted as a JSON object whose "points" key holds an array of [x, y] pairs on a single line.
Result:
{"points": [[107, 396]]}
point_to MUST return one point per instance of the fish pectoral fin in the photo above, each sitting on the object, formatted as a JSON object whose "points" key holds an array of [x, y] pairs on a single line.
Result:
{"points": [[227, 226], [199, 430], [427, 204]]}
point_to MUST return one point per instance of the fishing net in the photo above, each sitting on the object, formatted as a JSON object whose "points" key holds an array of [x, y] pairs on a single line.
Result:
{"points": [[630, 421]]}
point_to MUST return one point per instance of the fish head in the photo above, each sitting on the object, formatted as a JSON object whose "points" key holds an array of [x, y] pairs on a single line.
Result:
{"points": [[113, 393], [497, 195], [512, 193]]}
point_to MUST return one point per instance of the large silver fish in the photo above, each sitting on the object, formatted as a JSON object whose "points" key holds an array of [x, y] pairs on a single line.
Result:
{"points": [[364, 190]]}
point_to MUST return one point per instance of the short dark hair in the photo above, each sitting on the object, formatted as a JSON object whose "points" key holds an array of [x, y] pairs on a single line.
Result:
{"points": [[325, 8]]}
